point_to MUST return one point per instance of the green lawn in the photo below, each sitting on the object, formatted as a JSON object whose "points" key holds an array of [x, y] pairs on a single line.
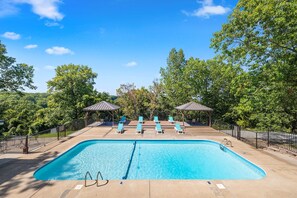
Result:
{"points": [[55, 134]]}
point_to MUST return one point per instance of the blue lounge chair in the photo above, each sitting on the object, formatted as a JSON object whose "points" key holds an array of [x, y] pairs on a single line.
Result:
{"points": [[123, 119], [156, 119], [120, 128], [170, 119], [139, 128], [140, 119], [178, 128], [158, 128]]}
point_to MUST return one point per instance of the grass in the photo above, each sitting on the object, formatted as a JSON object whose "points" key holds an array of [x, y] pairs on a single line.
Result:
{"points": [[46, 135]]}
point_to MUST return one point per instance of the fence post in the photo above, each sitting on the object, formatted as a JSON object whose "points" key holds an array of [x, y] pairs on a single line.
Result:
{"points": [[26, 147], [232, 127], [58, 133], [238, 132], [268, 139], [256, 140]]}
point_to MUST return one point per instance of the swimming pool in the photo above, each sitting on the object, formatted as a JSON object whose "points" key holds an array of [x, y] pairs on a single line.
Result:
{"points": [[150, 159]]}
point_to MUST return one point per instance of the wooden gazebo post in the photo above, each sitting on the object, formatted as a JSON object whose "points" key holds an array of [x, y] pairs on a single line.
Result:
{"points": [[86, 119], [209, 118], [183, 116]]}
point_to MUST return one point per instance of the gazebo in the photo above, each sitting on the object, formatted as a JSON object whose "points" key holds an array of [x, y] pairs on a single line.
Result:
{"points": [[193, 106], [101, 106]]}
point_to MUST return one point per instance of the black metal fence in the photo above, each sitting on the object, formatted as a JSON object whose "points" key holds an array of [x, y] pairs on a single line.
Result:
{"points": [[17, 143], [260, 139]]}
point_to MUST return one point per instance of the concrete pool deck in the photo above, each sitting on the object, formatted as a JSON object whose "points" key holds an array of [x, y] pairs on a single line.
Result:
{"points": [[16, 175]]}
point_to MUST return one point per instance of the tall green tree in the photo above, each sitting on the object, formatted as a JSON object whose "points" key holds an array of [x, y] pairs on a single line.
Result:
{"points": [[70, 90], [14, 77], [127, 99], [261, 36], [210, 83], [155, 94], [134, 101], [172, 78]]}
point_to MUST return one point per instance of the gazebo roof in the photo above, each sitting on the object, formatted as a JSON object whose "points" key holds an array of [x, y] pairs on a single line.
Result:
{"points": [[102, 106], [193, 106]]}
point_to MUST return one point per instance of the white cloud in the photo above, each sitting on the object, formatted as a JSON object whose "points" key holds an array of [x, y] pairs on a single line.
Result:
{"points": [[50, 67], [53, 24], [11, 35], [32, 46], [208, 8], [44, 8], [131, 64], [56, 50]]}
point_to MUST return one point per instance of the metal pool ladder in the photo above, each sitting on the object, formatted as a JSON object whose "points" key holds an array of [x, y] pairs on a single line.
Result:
{"points": [[97, 179], [225, 143]]}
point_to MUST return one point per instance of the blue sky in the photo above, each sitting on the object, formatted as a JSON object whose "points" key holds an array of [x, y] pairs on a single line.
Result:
{"points": [[124, 41]]}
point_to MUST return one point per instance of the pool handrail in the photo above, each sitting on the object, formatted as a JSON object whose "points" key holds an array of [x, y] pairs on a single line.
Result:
{"points": [[97, 179], [86, 175]]}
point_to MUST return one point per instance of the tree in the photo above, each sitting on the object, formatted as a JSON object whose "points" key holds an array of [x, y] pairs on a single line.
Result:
{"points": [[155, 94], [70, 90], [210, 83], [19, 112], [14, 77], [172, 79], [261, 36], [133, 101], [127, 99]]}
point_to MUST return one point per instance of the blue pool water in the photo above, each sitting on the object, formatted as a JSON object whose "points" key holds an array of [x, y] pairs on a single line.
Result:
{"points": [[149, 159]]}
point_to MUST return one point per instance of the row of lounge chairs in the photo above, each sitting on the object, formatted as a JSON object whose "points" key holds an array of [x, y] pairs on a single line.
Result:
{"points": [[156, 119], [177, 128], [158, 128]]}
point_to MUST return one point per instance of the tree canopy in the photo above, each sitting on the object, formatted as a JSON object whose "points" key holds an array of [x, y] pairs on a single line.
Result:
{"points": [[261, 37], [14, 77], [71, 89]]}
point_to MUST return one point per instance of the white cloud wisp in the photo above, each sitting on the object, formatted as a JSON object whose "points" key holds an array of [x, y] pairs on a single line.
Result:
{"points": [[32, 46], [56, 50], [44, 8], [131, 64], [208, 9], [11, 35]]}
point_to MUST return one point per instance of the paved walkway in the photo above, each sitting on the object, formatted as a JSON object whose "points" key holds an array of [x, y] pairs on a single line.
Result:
{"points": [[16, 177]]}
